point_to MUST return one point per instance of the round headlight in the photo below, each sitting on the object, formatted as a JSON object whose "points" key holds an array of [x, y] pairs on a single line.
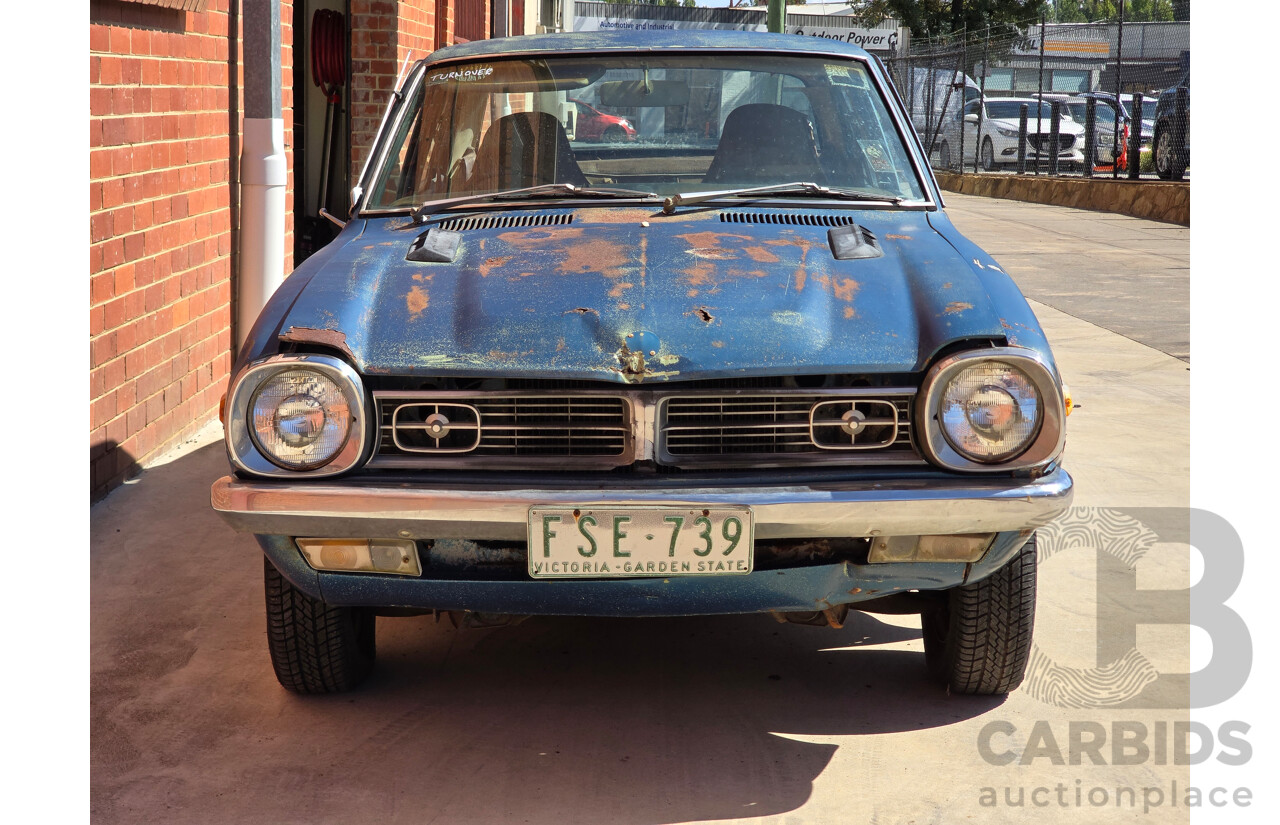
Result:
{"points": [[990, 411], [301, 419]]}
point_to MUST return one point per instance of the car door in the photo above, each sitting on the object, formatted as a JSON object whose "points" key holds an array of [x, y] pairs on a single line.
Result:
{"points": [[971, 129]]}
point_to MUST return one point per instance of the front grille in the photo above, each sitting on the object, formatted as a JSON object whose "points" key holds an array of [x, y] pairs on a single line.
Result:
{"points": [[785, 428], [574, 429], [1065, 142], [502, 430]]}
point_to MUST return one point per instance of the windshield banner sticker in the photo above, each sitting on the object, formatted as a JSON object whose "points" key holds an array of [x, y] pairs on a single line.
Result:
{"points": [[462, 75]]}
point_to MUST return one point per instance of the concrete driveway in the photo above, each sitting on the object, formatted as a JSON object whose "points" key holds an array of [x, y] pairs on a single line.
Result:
{"points": [[640, 722]]}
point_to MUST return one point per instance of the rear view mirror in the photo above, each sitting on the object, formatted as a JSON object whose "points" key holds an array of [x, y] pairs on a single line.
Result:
{"points": [[971, 118], [628, 94]]}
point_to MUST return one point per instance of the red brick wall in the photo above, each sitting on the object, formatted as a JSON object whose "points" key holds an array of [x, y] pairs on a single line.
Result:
{"points": [[160, 224]]}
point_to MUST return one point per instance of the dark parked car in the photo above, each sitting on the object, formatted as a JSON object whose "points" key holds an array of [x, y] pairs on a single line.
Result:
{"points": [[1104, 130], [756, 371], [593, 124], [1171, 129], [1126, 114]]}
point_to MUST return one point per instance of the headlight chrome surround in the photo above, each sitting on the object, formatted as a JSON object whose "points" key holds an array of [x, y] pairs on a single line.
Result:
{"points": [[1049, 436], [243, 446]]}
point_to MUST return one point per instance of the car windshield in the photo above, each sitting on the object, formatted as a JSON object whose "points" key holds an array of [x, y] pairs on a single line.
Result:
{"points": [[1012, 109], [682, 123], [1103, 113]]}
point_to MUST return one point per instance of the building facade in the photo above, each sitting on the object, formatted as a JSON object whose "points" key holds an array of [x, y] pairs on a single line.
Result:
{"points": [[166, 107]]}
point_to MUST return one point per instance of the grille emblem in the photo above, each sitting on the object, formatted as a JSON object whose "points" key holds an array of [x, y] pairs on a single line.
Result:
{"points": [[853, 421], [437, 426], [423, 427], [866, 424]]}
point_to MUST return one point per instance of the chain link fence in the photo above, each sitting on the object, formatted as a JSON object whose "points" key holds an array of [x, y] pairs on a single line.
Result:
{"points": [[1091, 99]]}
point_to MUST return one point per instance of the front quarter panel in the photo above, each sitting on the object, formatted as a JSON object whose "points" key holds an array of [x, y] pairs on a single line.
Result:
{"points": [[1021, 327], [263, 338]]}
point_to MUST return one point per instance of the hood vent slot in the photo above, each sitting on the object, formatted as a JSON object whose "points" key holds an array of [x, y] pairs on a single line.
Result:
{"points": [[506, 221], [787, 218]]}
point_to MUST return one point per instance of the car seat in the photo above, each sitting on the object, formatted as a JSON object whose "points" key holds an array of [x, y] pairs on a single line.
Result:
{"points": [[763, 143], [525, 149]]}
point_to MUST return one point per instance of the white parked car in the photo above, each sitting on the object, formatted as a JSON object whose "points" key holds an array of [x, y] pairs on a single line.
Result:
{"points": [[998, 140]]}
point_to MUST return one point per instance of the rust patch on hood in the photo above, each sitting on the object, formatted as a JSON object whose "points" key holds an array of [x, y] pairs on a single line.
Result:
{"points": [[700, 275], [632, 361], [713, 253], [323, 337], [898, 237], [601, 256], [614, 216], [417, 302], [536, 238], [709, 240], [845, 289], [800, 276], [957, 306], [491, 264], [761, 255]]}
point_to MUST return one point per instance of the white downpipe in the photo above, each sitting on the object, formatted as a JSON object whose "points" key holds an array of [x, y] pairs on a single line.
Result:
{"points": [[264, 174]]}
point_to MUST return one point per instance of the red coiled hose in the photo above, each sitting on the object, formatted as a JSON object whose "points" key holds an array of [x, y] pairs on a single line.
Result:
{"points": [[328, 52]]}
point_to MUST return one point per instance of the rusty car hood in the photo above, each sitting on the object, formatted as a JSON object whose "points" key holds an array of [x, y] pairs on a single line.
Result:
{"points": [[629, 294]]}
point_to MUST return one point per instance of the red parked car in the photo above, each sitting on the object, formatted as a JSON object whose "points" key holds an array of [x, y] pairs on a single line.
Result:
{"points": [[593, 124]]}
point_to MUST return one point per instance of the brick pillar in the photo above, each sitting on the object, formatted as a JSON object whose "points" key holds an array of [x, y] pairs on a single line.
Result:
{"points": [[162, 142]]}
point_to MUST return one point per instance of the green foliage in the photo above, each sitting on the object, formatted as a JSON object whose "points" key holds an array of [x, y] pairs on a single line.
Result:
{"points": [[931, 18], [1096, 11]]}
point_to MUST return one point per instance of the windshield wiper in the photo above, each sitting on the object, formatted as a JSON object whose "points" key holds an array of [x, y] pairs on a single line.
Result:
{"points": [[546, 190], [801, 188]]}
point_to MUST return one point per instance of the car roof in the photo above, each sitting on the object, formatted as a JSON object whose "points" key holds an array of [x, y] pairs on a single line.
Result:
{"points": [[648, 41]]}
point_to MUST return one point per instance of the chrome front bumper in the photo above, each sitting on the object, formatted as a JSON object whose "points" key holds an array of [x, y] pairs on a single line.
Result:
{"points": [[849, 508]]}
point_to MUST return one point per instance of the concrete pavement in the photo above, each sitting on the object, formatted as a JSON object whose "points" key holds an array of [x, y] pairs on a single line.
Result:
{"points": [[660, 720], [1125, 275]]}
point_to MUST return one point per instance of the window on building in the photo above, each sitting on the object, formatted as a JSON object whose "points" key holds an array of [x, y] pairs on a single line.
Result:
{"points": [[468, 20], [1068, 80]]}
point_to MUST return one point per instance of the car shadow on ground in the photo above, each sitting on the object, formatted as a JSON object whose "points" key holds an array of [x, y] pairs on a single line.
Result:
{"points": [[554, 720]]}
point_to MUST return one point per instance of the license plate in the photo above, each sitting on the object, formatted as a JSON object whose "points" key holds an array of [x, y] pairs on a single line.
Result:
{"points": [[611, 542]]}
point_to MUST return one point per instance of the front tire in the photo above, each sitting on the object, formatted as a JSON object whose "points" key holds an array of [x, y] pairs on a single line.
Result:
{"points": [[1168, 167], [614, 134], [988, 156], [978, 641], [315, 647]]}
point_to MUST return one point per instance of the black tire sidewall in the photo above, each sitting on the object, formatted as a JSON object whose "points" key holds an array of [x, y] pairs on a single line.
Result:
{"points": [[943, 630]]}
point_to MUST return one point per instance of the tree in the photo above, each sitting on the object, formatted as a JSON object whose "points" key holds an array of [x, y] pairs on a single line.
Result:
{"points": [[930, 18], [1095, 11]]}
